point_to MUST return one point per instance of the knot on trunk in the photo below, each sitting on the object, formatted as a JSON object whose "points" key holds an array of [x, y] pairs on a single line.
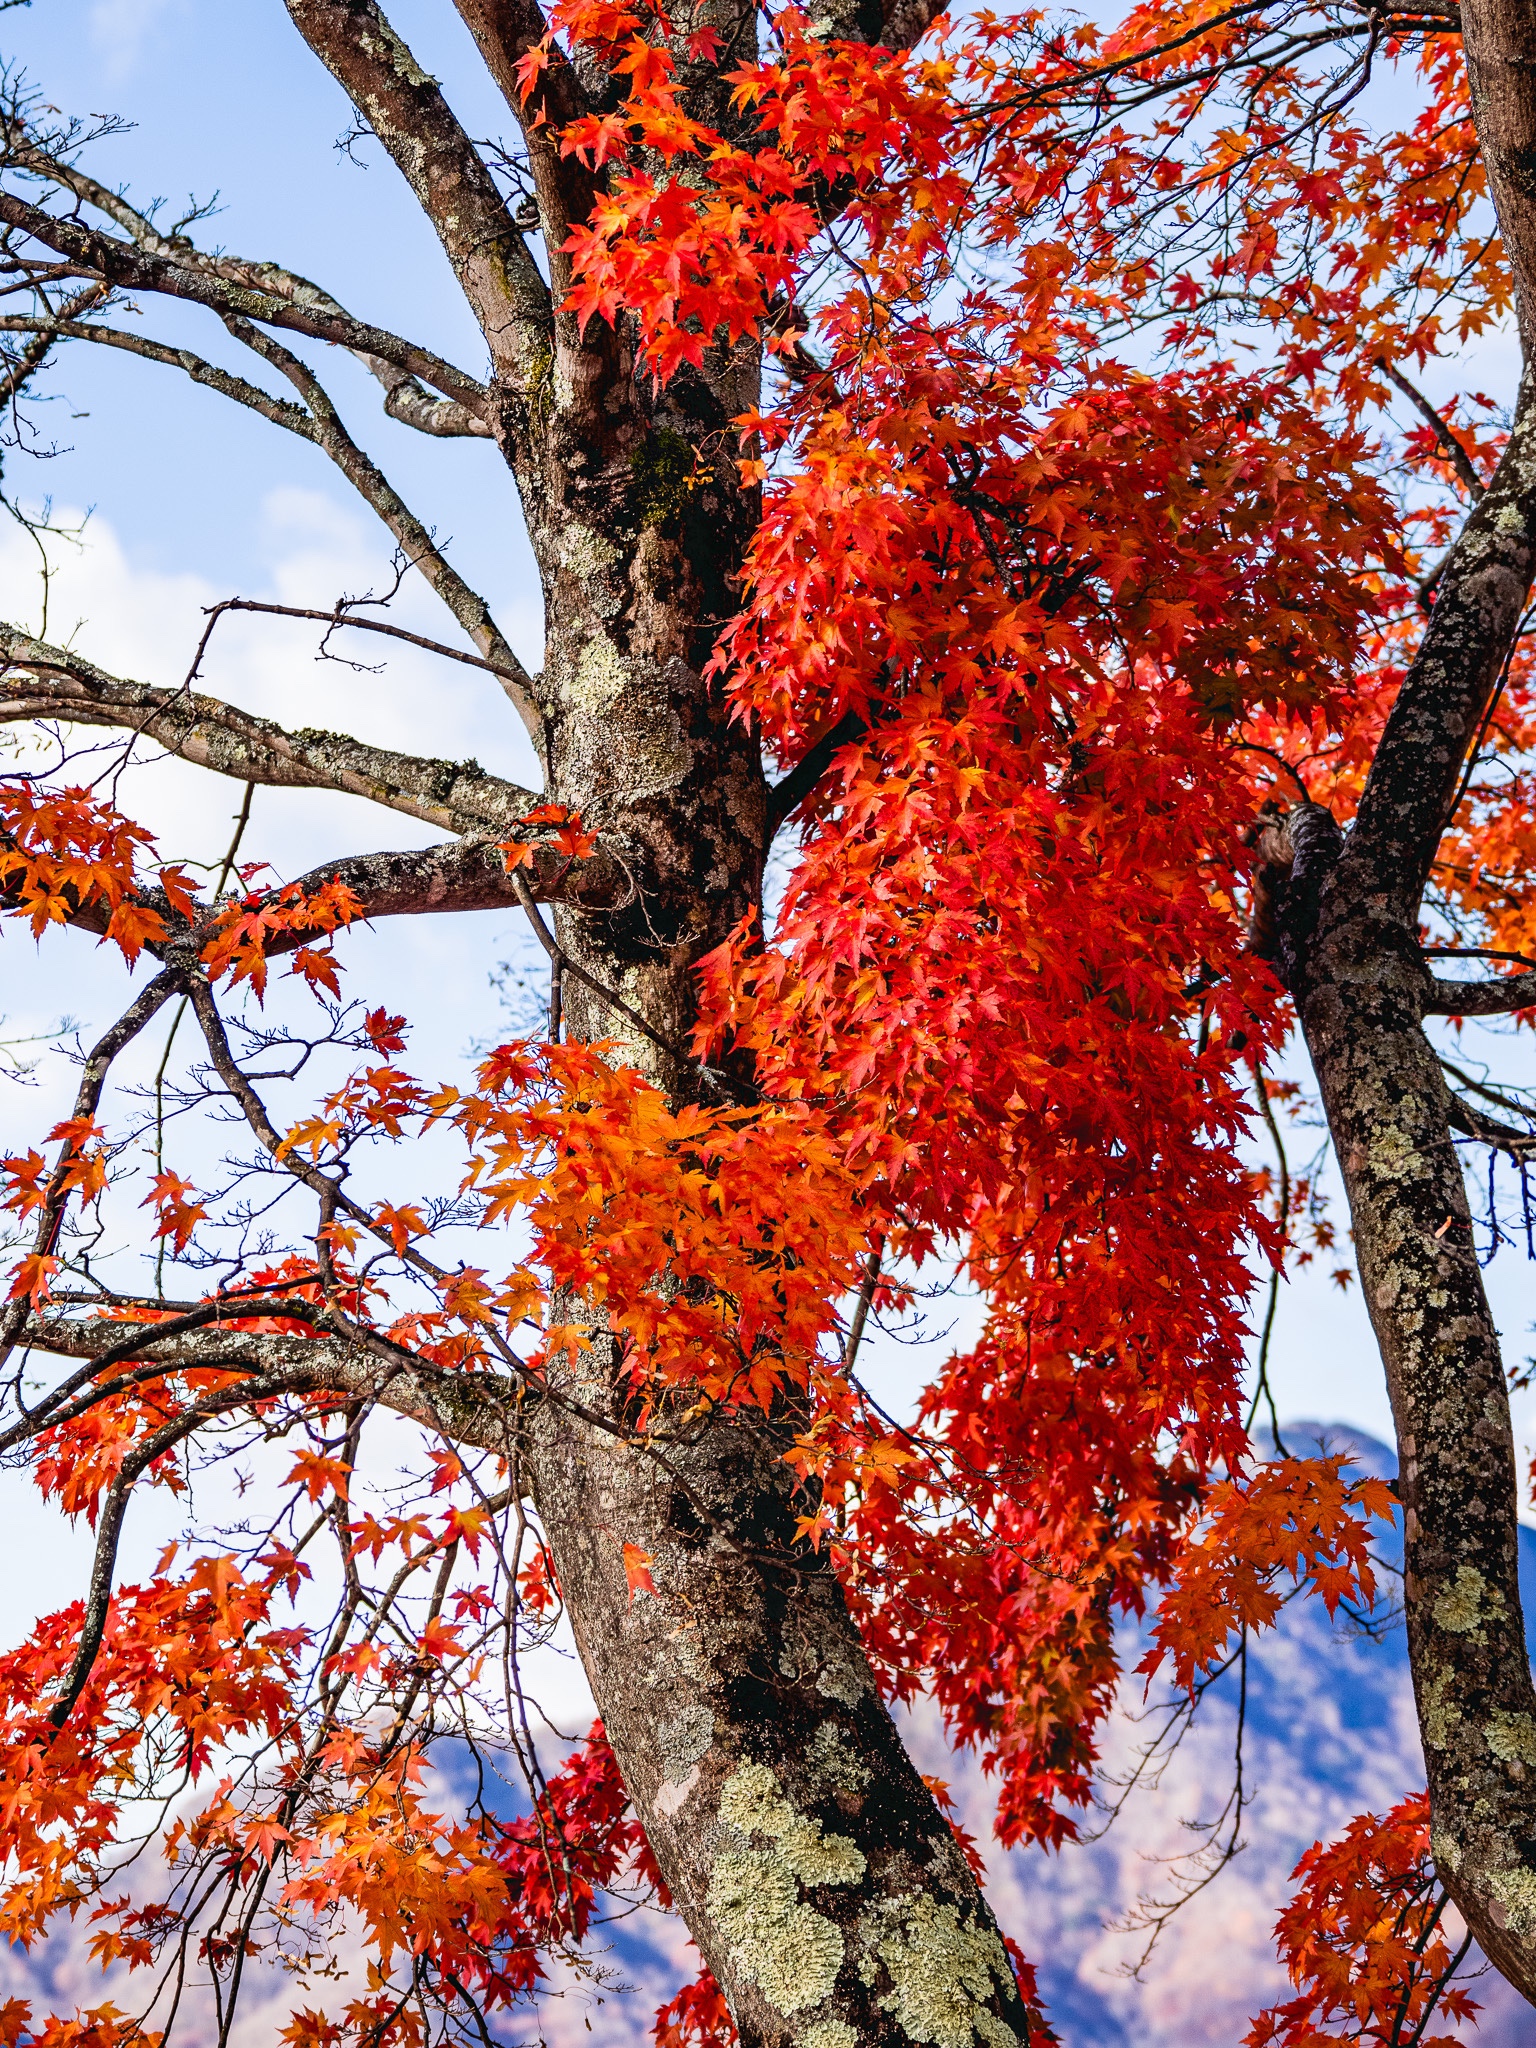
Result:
{"points": [[1296, 851]]}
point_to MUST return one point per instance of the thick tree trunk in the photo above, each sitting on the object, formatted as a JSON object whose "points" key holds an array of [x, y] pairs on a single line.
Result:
{"points": [[809, 1860], [1387, 1112], [1346, 943]]}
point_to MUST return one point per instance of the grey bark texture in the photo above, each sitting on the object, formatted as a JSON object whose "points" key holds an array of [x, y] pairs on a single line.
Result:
{"points": [[1343, 923]]}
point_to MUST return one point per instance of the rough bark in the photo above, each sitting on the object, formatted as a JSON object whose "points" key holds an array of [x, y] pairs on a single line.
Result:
{"points": [[1343, 933], [822, 1885], [1498, 37], [1345, 939], [39, 681]]}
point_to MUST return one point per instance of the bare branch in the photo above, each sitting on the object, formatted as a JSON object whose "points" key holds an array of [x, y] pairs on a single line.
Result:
{"points": [[338, 617], [504, 32], [1487, 1130], [322, 425], [421, 549], [406, 110], [30, 359], [1449, 440], [93, 253], [405, 399], [39, 681], [282, 412]]}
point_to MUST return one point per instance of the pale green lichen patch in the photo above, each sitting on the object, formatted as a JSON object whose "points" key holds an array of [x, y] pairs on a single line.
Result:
{"points": [[942, 1973], [584, 552], [1515, 1890], [600, 674], [1512, 1738], [792, 1952], [753, 1802], [830, 2034], [836, 1762], [686, 1737], [1441, 1714], [1445, 1850], [1393, 1152], [841, 1680], [1459, 1608]]}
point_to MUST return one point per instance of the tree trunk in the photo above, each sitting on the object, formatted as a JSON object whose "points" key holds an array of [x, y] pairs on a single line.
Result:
{"points": [[1387, 1109], [822, 1885], [1346, 943]]}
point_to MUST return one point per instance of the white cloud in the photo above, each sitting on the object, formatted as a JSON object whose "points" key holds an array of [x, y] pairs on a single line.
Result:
{"points": [[120, 30]]}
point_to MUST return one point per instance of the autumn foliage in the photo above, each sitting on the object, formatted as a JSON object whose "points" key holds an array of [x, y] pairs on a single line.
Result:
{"points": [[1062, 583]]}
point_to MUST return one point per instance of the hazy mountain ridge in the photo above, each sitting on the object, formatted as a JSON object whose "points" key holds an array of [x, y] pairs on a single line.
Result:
{"points": [[1330, 1732]]}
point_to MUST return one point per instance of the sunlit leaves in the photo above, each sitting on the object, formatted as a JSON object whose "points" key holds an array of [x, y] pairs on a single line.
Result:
{"points": [[1368, 1942]]}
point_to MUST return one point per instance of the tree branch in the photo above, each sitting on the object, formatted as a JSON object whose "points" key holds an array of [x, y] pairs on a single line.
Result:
{"points": [[338, 618], [322, 425], [786, 795], [504, 32], [93, 1080], [406, 110], [93, 253], [1417, 769], [471, 1407], [1487, 1130], [455, 796], [405, 397], [421, 549], [461, 876], [282, 412], [1456, 454], [98, 1599], [1480, 998]]}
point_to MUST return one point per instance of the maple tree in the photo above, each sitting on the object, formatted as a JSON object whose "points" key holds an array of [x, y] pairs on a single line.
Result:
{"points": [[971, 455]]}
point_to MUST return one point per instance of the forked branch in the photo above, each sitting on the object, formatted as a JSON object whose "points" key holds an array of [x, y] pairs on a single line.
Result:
{"points": [[405, 108], [416, 541]]}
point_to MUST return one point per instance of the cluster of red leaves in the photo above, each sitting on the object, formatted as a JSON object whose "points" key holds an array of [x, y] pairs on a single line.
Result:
{"points": [[240, 937], [101, 2026], [64, 852], [696, 259], [1365, 1942], [188, 1666], [697, 2017], [1016, 892], [719, 1241], [1296, 1517], [195, 1658], [484, 1898]]}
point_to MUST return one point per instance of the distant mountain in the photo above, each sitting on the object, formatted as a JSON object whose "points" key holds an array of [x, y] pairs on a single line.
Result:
{"points": [[1330, 1732]]}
